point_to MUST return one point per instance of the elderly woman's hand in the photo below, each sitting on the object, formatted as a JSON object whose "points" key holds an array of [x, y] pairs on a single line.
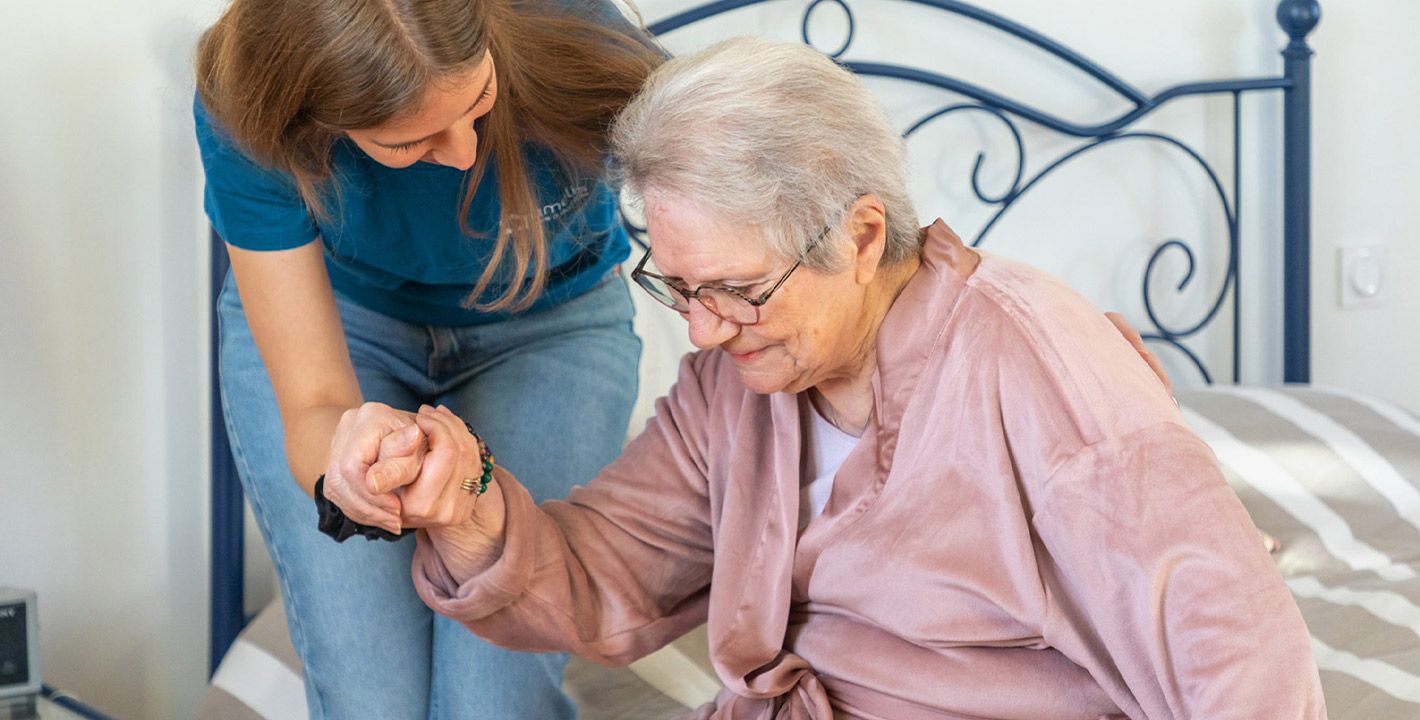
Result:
{"points": [[434, 495], [435, 498], [374, 445]]}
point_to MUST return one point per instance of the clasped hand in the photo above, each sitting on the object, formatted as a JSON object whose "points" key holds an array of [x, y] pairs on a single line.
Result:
{"points": [[395, 469]]}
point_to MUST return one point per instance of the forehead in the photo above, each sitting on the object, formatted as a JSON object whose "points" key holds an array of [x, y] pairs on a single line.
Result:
{"points": [[444, 97], [697, 245]]}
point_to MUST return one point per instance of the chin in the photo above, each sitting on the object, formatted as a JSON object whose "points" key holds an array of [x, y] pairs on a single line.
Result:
{"points": [[773, 372], [766, 381], [762, 382]]}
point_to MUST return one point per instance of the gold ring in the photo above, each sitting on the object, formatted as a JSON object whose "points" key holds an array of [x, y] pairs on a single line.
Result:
{"points": [[469, 485]]}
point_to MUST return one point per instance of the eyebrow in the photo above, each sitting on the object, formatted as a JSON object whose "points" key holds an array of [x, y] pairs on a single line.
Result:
{"points": [[391, 146], [717, 282], [723, 282]]}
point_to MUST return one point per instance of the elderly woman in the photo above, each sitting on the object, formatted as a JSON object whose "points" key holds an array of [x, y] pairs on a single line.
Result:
{"points": [[901, 478]]}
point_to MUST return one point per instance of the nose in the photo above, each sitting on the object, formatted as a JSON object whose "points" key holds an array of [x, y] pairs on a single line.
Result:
{"points": [[707, 329], [458, 147]]}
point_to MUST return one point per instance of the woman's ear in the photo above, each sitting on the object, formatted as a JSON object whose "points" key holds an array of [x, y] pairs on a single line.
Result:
{"points": [[867, 227]]}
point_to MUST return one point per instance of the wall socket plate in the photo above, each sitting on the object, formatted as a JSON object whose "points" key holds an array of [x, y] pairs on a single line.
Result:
{"points": [[1361, 279]]}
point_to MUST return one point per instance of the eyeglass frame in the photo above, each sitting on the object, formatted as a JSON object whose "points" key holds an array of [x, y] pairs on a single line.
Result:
{"points": [[689, 295]]}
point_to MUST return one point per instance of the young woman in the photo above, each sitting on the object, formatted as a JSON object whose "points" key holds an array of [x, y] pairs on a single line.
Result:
{"points": [[413, 199]]}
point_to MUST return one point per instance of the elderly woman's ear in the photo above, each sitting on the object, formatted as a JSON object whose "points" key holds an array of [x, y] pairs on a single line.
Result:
{"points": [[867, 228]]}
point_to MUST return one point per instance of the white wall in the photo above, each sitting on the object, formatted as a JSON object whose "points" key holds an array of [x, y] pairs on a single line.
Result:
{"points": [[102, 347], [103, 326], [1366, 176]]}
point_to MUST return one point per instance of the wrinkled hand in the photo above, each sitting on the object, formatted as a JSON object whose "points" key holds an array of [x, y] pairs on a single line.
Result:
{"points": [[1135, 340], [429, 480], [468, 542], [434, 500], [434, 497], [375, 446]]}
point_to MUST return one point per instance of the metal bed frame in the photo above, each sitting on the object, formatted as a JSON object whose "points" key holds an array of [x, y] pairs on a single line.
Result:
{"points": [[1296, 17]]}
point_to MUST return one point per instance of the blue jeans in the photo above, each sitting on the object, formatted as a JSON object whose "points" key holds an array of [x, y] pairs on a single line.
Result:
{"points": [[551, 393]]}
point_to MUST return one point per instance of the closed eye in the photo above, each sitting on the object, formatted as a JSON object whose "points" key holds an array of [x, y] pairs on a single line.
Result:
{"points": [[746, 289], [406, 147], [741, 290]]}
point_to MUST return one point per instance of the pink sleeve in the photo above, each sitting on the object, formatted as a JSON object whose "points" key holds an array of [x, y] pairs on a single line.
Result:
{"points": [[614, 572], [1158, 583]]}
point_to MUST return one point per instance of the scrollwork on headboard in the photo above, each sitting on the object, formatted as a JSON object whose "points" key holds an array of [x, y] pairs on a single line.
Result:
{"points": [[1297, 17]]}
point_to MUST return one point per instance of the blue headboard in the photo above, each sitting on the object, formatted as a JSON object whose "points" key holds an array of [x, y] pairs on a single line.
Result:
{"points": [[1296, 17]]}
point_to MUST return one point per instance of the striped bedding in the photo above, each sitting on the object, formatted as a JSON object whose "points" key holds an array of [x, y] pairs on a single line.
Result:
{"points": [[261, 679], [1334, 478]]}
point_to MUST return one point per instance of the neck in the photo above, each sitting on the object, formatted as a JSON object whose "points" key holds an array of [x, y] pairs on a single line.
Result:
{"points": [[846, 398]]}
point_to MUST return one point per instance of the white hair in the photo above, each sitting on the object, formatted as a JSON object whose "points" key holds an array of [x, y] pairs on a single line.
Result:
{"points": [[771, 131]]}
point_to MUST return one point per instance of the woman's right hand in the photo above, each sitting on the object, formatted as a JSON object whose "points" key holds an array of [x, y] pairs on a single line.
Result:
{"points": [[375, 449]]}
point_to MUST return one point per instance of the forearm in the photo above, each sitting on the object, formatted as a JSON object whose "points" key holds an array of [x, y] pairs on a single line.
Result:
{"points": [[308, 435], [616, 570], [295, 323], [562, 578], [470, 548]]}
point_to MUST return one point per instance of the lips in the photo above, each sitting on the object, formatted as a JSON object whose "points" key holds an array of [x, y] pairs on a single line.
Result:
{"points": [[744, 357]]}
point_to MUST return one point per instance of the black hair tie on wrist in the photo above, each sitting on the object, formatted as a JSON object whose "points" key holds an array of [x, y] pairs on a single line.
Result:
{"points": [[334, 523]]}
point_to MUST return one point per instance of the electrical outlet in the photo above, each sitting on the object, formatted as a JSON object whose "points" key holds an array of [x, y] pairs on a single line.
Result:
{"points": [[1362, 278]]}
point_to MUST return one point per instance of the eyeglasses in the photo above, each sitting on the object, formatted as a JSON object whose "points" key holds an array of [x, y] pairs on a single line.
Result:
{"points": [[726, 303]]}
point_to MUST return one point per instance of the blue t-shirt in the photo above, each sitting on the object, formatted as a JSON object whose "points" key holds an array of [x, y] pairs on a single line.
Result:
{"points": [[393, 241]]}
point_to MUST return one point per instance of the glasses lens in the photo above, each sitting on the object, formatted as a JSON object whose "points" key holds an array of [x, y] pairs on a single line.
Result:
{"points": [[663, 293], [729, 306]]}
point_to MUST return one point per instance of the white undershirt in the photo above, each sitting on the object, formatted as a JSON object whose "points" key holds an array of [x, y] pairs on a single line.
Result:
{"points": [[825, 449]]}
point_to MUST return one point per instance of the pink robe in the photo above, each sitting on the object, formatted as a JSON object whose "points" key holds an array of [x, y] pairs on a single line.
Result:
{"points": [[1026, 530]]}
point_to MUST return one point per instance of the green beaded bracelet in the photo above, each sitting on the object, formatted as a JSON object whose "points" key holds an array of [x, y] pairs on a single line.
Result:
{"points": [[485, 457]]}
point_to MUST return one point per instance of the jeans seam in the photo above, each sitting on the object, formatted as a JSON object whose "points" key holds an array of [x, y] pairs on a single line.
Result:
{"points": [[430, 356]]}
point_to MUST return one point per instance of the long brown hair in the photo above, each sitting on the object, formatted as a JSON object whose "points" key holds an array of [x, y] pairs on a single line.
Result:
{"points": [[286, 78]]}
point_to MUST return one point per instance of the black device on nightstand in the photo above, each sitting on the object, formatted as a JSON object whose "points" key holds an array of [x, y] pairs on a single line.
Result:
{"points": [[19, 652]]}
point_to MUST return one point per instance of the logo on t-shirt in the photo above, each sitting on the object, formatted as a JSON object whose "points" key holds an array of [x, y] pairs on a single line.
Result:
{"points": [[572, 196]]}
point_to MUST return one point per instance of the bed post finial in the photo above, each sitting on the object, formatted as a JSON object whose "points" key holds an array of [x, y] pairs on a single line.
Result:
{"points": [[1298, 18]]}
